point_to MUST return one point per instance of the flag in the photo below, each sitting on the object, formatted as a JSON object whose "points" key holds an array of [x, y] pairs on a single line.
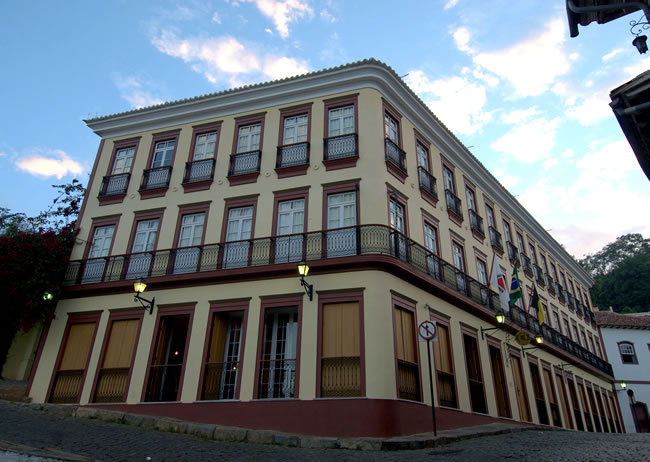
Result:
{"points": [[498, 282], [515, 288], [536, 304]]}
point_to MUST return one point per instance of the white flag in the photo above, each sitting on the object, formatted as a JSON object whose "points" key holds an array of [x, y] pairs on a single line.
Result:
{"points": [[498, 283]]}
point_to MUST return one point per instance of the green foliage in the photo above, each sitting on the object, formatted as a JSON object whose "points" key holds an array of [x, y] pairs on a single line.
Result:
{"points": [[34, 254], [622, 274]]}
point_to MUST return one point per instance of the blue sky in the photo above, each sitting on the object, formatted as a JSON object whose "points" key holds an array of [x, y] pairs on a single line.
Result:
{"points": [[504, 77]]}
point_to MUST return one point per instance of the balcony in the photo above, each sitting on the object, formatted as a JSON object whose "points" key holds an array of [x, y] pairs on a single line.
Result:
{"points": [[340, 377], [114, 185], [539, 275], [408, 379], [244, 167], [454, 205], [476, 224], [561, 294], [209, 260], [156, 178], [571, 302], [427, 183], [526, 264], [292, 159], [512, 252], [340, 151], [198, 175], [220, 380], [550, 284], [495, 239], [395, 159]]}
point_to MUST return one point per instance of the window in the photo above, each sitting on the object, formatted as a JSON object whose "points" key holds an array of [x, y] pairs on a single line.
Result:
{"points": [[293, 145], [277, 370], [448, 177], [161, 159], [391, 128], [506, 231], [542, 260], [520, 243], [341, 121], [73, 358], [118, 356], [395, 156], [556, 318], [533, 256], [123, 161], [445, 368], [408, 369], [628, 355], [458, 255], [599, 352], [471, 199], [223, 362], [144, 242], [341, 148], [190, 237], [290, 221], [205, 146], [340, 368], [567, 329], [163, 153], [248, 138], [246, 150], [539, 394], [238, 232], [482, 271], [116, 181], [431, 244], [474, 374], [99, 249], [423, 156], [500, 381], [167, 362], [453, 202], [584, 338], [489, 213], [397, 222], [592, 344], [576, 338], [554, 271], [341, 213]]}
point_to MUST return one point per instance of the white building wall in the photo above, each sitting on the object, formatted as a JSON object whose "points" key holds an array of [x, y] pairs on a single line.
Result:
{"points": [[636, 376]]}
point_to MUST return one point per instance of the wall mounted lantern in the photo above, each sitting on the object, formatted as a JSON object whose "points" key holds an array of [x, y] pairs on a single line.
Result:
{"points": [[501, 319], [140, 286], [303, 269], [47, 296]]}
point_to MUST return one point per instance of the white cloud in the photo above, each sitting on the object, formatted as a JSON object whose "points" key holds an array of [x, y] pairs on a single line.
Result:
{"points": [[550, 163], [49, 162], [462, 38], [327, 16], [450, 4], [593, 109], [509, 181], [529, 142], [227, 59], [283, 12], [612, 54], [268, 31], [3, 154], [132, 89], [456, 101], [520, 115], [600, 197], [531, 66], [216, 18]]}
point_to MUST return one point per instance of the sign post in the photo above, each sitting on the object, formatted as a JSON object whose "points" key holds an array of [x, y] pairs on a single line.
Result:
{"points": [[428, 332]]}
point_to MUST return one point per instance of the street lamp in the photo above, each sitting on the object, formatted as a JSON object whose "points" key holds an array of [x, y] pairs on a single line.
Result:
{"points": [[47, 296], [140, 285], [303, 270], [501, 319]]}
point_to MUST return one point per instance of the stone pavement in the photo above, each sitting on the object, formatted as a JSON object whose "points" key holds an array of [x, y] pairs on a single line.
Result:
{"points": [[86, 437]]}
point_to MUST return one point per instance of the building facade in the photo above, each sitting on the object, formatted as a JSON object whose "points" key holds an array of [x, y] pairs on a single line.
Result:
{"points": [[214, 200], [627, 343]]}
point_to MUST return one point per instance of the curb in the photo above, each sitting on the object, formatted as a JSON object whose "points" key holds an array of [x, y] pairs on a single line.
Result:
{"points": [[242, 435]]}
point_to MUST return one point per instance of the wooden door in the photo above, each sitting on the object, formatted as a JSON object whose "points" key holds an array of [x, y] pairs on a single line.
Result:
{"points": [[520, 389]]}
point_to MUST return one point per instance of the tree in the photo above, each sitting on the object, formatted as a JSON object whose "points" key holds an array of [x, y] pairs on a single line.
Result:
{"points": [[34, 254], [621, 272]]}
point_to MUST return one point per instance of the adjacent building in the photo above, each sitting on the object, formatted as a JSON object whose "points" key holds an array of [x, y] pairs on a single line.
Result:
{"points": [[214, 201], [627, 343]]}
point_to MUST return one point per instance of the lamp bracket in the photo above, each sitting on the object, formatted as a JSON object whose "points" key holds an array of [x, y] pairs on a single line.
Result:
{"points": [[309, 288], [485, 330], [639, 25], [146, 304]]}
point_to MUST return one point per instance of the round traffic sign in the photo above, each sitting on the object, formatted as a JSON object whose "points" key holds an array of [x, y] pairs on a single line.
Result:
{"points": [[427, 330]]}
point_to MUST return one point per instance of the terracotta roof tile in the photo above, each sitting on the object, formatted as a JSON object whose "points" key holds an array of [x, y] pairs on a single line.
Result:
{"points": [[610, 319]]}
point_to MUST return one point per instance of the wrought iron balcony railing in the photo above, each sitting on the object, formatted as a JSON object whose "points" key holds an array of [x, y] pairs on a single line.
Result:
{"points": [[317, 245], [244, 162], [395, 155], [570, 301], [550, 283], [454, 204], [526, 264], [495, 238], [408, 379], [199, 170], [114, 184], [277, 378], [340, 376], [291, 155], [158, 177], [340, 147], [427, 182], [111, 385], [476, 222], [513, 251], [220, 380]]}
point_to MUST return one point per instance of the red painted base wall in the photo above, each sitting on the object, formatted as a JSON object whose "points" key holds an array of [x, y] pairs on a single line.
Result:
{"points": [[327, 417]]}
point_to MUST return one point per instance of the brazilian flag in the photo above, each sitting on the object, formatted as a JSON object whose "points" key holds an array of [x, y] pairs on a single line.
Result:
{"points": [[515, 287]]}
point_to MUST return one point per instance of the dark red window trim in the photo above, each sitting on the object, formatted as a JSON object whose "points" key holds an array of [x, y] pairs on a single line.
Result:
{"points": [[118, 145], [198, 130], [157, 138], [333, 103], [404, 303], [634, 357], [303, 109], [98, 223], [145, 215], [252, 119]]}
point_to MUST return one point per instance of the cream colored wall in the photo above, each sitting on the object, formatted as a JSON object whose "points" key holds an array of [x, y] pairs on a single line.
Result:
{"points": [[378, 332], [20, 356]]}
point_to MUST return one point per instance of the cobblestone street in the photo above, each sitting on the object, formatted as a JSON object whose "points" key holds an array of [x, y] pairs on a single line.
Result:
{"points": [[111, 442]]}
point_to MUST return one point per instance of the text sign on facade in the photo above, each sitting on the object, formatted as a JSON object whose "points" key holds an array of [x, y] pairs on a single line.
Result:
{"points": [[428, 331]]}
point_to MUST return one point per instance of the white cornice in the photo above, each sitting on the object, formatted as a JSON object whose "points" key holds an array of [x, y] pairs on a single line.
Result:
{"points": [[351, 77]]}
